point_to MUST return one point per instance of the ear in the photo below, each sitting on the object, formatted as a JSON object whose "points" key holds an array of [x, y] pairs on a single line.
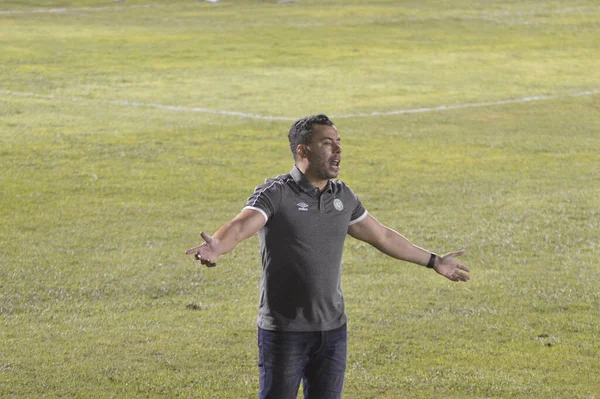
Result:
{"points": [[301, 150]]}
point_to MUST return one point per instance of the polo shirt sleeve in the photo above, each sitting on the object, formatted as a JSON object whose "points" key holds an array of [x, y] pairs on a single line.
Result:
{"points": [[359, 212], [265, 199]]}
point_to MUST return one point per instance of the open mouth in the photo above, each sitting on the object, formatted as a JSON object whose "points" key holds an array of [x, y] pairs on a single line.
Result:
{"points": [[335, 164]]}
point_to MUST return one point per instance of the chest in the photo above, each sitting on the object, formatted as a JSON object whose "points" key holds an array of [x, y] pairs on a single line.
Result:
{"points": [[324, 216]]}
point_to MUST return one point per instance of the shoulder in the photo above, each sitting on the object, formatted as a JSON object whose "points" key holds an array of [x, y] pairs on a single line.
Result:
{"points": [[273, 187], [275, 183], [341, 188]]}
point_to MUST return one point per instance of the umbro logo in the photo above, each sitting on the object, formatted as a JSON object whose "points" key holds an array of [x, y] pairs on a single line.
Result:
{"points": [[302, 206]]}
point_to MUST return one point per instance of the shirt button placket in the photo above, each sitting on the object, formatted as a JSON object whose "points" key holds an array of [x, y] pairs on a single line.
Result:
{"points": [[322, 203]]}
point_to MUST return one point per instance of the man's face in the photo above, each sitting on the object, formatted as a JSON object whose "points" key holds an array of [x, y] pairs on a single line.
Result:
{"points": [[324, 152]]}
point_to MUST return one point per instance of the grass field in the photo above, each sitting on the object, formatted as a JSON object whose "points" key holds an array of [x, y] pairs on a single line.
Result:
{"points": [[127, 128]]}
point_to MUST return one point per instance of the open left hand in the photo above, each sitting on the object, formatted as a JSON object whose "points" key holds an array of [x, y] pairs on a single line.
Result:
{"points": [[448, 267]]}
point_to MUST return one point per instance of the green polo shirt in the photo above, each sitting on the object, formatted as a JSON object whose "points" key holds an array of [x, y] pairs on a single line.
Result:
{"points": [[301, 246]]}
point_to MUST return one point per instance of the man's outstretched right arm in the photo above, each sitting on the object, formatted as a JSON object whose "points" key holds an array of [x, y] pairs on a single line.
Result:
{"points": [[224, 240]]}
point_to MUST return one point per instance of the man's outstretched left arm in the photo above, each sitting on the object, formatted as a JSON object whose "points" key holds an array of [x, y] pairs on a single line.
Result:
{"points": [[394, 244]]}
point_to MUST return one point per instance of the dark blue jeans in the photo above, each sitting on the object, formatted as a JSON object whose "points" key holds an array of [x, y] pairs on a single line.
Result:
{"points": [[318, 359]]}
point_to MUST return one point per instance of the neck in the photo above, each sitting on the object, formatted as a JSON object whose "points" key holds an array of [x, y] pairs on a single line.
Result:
{"points": [[314, 180]]}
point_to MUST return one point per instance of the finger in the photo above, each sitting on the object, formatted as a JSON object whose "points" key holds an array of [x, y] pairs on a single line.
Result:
{"points": [[204, 261], [462, 267], [452, 255], [206, 237], [208, 263], [462, 276], [458, 253], [193, 250]]}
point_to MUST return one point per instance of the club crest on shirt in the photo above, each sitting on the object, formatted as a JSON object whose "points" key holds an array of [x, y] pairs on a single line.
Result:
{"points": [[338, 204], [302, 206]]}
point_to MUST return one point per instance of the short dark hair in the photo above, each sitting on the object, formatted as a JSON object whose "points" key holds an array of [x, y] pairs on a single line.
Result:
{"points": [[302, 130]]}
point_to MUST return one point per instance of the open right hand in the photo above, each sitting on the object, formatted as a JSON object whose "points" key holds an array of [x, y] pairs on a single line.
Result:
{"points": [[207, 252]]}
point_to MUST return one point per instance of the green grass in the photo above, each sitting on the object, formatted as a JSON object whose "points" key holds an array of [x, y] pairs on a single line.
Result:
{"points": [[100, 199]]}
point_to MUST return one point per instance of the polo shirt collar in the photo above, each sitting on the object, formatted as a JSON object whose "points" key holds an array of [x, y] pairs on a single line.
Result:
{"points": [[303, 182]]}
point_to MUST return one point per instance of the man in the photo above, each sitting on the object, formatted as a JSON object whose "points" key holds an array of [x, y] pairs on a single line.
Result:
{"points": [[302, 219]]}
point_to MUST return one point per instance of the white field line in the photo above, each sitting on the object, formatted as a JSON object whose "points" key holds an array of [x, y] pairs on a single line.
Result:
{"points": [[72, 10], [468, 105], [125, 103], [136, 104], [493, 16]]}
